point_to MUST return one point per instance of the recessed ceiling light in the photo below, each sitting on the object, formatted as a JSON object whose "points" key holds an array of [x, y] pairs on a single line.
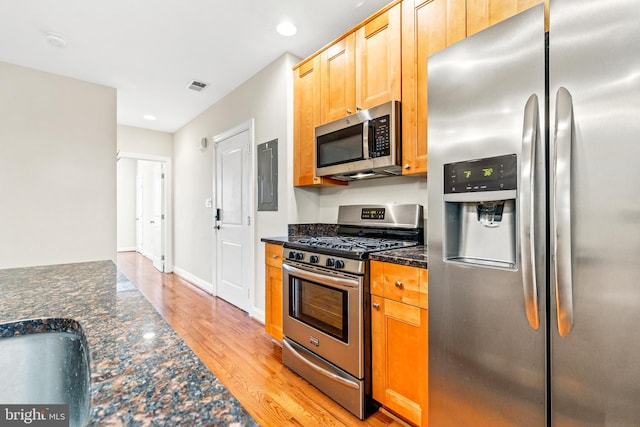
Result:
{"points": [[55, 40], [286, 29], [149, 117]]}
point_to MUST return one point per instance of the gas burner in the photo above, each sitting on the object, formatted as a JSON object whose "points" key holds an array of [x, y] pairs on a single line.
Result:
{"points": [[349, 243]]}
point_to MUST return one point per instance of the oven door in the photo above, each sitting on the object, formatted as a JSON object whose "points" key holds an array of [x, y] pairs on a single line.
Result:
{"points": [[323, 312]]}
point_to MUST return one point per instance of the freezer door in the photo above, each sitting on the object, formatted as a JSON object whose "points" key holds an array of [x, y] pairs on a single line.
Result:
{"points": [[487, 321], [594, 89]]}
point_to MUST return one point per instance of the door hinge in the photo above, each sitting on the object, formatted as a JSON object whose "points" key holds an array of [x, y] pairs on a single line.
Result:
{"points": [[162, 175], [248, 293], [162, 216], [248, 220], [161, 257], [248, 149]]}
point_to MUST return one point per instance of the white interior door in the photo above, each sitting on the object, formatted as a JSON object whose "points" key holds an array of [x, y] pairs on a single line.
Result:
{"points": [[151, 215], [157, 215], [234, 241]]}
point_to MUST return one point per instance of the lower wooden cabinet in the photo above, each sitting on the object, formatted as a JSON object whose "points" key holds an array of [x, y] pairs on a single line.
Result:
{"points": [[400, 340], [273, 290]]}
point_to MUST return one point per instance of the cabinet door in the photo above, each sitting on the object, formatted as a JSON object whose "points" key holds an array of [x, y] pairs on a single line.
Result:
{"points": [[428, 26], [378, 60], [337, 64], [306, 90], [273, 317], [306, 94], [402, 283], [399, 341], [482, 14], [273, 291]]}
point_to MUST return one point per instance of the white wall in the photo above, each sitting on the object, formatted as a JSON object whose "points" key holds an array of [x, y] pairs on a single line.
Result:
{"points": [[126, 225], [267, 98], [57, 169], [144, 141], [394, 190]]}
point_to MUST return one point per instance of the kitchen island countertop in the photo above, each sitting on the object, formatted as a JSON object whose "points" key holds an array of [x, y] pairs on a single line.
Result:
{"points": [[142, 372]]}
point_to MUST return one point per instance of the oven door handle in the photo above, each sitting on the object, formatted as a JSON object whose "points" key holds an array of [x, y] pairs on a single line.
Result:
{"points": [[318, 369], [325, 279]]}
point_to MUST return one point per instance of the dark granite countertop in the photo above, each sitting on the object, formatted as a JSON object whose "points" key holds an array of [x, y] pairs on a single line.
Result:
{"points": [[142, 372], [415, 256], [275, 240]]}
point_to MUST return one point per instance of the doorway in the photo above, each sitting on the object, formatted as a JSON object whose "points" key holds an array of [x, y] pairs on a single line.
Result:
{"points": [[234, 237], [144, 198]]}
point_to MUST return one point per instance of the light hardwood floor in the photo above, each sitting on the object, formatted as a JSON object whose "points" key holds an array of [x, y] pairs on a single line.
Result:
{"points": [[238, 351]]}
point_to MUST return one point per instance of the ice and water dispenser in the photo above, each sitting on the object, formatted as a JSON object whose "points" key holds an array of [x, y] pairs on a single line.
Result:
{"points": [[480, 211]]}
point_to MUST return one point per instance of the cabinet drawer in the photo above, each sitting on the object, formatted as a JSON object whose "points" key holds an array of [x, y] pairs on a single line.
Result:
{"points": [[400, 283], [273, 255]]}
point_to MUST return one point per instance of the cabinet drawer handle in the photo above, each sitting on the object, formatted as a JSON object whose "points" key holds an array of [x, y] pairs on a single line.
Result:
{"points": [[398, 284], [275, 256], [376, 305], [348, 111]]}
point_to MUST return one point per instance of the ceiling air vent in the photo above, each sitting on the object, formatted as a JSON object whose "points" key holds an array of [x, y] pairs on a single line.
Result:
{"points": [[197, 86]]}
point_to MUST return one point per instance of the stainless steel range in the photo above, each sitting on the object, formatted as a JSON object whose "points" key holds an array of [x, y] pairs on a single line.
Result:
{"points": [[326, 299]]}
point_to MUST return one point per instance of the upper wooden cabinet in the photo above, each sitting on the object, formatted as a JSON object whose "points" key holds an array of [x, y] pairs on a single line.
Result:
{"points": [[427, 27], [363, 69], [306, 116], [337, 64], [378, 60], [482, 14]]}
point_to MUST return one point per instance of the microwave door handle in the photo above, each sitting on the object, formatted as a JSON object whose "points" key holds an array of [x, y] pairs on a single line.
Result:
{"points": [[366, 137]]}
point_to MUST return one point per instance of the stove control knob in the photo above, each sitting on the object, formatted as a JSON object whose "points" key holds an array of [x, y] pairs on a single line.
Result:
{"points": [[314, 259], [339, 263], [292, 255], [299, 255], [330, 262]]}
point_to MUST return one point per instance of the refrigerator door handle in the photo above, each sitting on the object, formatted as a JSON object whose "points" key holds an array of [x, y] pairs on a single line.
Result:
{"points": [[527, 211], [561, 236]]}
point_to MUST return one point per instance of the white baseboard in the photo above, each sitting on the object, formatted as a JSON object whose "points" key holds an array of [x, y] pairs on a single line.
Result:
{"points": [[258, 314], [127, 249], [201, 283]]}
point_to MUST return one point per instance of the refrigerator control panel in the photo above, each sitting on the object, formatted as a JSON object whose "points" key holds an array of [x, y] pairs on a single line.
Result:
{"points": [[488, 174]]}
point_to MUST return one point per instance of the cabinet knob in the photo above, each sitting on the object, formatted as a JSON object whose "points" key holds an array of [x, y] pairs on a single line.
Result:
{"points": [[398, 284], [407, 165], [358, 108], [348, 111], [275, 256], [376, 305]]}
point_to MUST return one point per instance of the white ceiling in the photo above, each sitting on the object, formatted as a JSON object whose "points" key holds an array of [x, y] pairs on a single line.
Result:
{"points": [[150, 50]]}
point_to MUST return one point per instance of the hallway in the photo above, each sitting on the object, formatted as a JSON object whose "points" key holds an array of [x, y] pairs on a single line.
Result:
{"points": [[238, 351]]}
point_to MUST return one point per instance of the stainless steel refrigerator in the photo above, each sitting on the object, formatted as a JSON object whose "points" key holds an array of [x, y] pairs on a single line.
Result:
{"points": [[534, 221]]}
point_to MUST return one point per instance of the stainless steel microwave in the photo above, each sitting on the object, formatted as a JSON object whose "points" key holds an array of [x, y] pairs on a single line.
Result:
{"points": [[363, 145]]}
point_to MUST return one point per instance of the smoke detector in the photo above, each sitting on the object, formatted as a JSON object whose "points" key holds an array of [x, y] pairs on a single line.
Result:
{"points": [[197, 85], [55, 40]]}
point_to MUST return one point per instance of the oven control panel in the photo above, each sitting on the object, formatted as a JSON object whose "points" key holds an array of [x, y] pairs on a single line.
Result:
{"points": [[325, 261]]}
